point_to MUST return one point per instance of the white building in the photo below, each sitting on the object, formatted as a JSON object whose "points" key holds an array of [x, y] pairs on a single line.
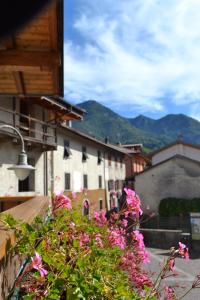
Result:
{"points": [[37, 120], [83, 162], [175, 173]]}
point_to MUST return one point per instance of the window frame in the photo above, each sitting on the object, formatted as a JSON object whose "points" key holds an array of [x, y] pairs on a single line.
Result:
{"points": [[67, 189], [85, 180], [100, 181]]}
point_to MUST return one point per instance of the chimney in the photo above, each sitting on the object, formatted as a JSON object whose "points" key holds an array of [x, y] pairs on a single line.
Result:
{"points": [[106, 140]]}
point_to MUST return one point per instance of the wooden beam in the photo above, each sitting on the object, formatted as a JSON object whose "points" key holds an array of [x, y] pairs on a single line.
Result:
{"points": [[18, 77], [20, 59], [53, 26], [53, 32]]}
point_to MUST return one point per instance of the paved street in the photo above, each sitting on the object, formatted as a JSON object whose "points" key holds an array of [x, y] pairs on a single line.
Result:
{"points": [[186, 269]]}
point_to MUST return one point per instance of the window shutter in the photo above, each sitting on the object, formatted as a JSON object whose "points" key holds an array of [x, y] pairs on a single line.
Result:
{"points": [[67, 151], [99, 159], [84, 154]]}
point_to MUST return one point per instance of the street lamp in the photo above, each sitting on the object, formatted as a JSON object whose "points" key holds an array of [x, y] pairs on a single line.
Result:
{"points": [[22, 169]]}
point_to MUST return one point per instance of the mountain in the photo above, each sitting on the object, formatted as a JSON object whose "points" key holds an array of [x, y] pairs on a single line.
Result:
{"points": [[170, 127], [102, 122], [142, 122]]}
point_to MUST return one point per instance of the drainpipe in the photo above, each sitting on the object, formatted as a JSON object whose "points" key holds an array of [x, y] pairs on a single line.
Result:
{"points": [[105, 183], [52, 172], [45, 174]]}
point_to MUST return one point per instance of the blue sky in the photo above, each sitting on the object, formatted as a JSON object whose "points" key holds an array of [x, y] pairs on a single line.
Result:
{"points": [[134, 56]]}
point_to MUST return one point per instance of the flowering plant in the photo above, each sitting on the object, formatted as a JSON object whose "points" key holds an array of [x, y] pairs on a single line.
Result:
{"points": [[73, 257]]}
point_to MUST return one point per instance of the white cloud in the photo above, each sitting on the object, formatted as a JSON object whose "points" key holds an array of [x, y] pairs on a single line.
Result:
{"points": [[134, 53]]}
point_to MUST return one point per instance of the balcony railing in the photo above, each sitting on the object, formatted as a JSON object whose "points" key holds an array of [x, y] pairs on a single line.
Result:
{"points": [[32, 129]]}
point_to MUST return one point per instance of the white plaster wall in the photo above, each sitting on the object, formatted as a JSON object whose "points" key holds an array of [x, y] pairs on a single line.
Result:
{"points": [[113, 172], [179, 178], [9, 182], [180, 149], [6, 117], [75, 166]]}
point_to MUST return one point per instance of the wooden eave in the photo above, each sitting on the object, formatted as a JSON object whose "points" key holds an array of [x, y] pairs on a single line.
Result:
{"points": [[63, 110], [31, 61]]}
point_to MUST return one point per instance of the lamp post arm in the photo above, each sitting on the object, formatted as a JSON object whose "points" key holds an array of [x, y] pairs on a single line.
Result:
{"points": [[17, 131]]}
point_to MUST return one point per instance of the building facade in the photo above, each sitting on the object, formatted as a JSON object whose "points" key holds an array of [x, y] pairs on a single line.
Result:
{"points": [[175, 173], [135, 162], [86, 165], [37, 120]]}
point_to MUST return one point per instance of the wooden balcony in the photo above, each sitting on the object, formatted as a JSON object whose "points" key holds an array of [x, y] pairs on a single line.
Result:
{"points": [[34, 131], [9, 265]]}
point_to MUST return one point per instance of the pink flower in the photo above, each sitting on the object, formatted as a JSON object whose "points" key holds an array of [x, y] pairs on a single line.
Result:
{"points": [[100, 217], [138, 237], [61, 201], [86, 204], [74, 195], [143, 255], [171, 264], [37, 264], [99, 240], [133, 202], [131, 264], [72, 225], [84, 239], [124, 222], [117, 237], [183, 250], [169, 293]]}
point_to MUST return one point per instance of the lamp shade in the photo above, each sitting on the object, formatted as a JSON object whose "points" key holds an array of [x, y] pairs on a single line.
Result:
{"points": [[22, 169]]}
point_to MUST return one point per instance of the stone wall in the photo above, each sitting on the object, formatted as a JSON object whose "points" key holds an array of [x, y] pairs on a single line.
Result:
{"points": [[161, 238], [177, 178]]}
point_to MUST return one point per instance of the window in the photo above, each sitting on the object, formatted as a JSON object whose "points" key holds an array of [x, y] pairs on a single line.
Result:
{"points": [[100, 204], [67, 181], [110, 185], [109, 159], [67, 151], [117, 184], [86, 207], [100, 182], [84, 153], [99, 159], [85, 181]]}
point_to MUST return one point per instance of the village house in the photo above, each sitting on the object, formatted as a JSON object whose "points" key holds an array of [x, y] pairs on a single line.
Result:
{"points": [[31, 87], [135, 161], [31, 90], [83, 163], [37, 120], [175, 173]]}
